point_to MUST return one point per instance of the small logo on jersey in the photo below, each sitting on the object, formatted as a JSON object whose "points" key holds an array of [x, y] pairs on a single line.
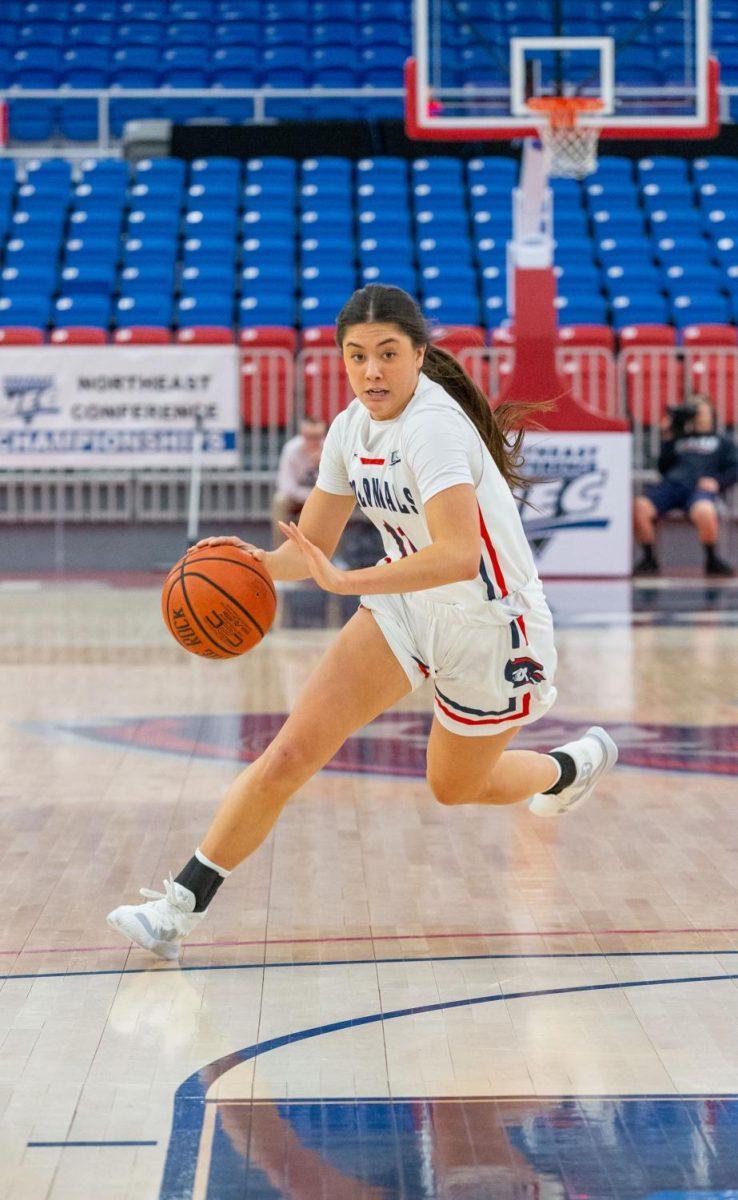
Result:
{"points": [[519, 671], [394, 458]]}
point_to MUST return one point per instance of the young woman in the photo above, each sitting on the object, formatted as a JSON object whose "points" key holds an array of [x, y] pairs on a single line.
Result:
{"points": [[456, 598]]}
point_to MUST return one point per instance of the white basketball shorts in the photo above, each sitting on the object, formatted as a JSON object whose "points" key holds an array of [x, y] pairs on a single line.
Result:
{"points": [[491, 670]]}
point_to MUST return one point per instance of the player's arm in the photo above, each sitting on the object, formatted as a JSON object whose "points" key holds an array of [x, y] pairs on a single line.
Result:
{"points": [[453, 523], [323, 519]]}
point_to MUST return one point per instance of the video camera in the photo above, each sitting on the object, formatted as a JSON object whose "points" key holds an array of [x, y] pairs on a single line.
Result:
{"points": [[680, 417]]}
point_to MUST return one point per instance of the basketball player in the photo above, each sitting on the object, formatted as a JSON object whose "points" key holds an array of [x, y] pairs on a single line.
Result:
{"points": [[456, 599]]}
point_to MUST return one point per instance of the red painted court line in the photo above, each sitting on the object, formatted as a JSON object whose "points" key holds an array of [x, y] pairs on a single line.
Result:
{"points": [[396, 937]]}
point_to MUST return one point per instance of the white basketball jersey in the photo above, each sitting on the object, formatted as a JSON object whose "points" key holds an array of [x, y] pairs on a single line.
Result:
{"points": [[394, 467]]}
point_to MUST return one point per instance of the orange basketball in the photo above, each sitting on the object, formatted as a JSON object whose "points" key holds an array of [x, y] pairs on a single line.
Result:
{"points": [[218, 601]]}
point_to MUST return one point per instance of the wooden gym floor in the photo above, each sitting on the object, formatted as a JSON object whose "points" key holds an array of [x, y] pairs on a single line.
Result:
{"points": [[391, 999]]}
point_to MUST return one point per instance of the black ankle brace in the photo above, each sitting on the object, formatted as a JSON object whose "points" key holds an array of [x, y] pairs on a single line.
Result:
{"points": [[568, 772]]}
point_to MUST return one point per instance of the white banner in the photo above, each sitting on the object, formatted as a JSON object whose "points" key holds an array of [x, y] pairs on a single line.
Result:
{"points": [[117, 406], [579, 519]]}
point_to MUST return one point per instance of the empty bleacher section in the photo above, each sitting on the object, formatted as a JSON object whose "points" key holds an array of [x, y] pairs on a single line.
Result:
{"points": [[275, 242], [217, 46]]}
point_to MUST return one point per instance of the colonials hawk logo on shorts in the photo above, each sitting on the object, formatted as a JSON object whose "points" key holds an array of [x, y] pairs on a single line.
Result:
{"points": [[519, 671]]}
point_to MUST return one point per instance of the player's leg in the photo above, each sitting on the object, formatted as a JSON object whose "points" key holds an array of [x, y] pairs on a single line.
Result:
{"points": [[358, 678], [645, 517], [703, 515], [481, 770]]}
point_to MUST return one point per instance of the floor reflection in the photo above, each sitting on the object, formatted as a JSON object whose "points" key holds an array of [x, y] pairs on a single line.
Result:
{"points": [[542, 1149]]}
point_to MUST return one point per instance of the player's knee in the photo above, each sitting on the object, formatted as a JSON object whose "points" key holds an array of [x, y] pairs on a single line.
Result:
{"points": [[286, 763], [643, 507], [447, 791], [703, 510]]}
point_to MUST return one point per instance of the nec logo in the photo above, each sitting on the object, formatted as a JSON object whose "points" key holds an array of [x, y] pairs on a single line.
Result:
{"points": [[29, 396]]}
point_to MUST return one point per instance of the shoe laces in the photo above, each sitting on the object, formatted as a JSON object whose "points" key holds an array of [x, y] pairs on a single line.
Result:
{"points": [[169, 894]]}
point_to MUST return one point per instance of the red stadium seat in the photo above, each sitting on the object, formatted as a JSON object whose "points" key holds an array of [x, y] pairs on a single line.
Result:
{"points": [[79, 335], [21, 335], [456, 338], [653, 383], [143, 335], [327, 389], [647, 335], [267, 389], [280, 336], [504, 335], [205, 335], [715, 374], [587, 335], [319, 335], [710, 335]]}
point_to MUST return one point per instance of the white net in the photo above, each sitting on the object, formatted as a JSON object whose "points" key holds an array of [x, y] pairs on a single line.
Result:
{"points": [[572, 152]]}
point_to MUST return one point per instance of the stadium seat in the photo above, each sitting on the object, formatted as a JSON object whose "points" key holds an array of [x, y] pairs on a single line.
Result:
{"points": [[204, 335], [142, 335], [21, 335], [81, 335], [319, 336], [277, 337], [267, 391], [709, 335], [587, 335], [647, 335], [86, 310]]}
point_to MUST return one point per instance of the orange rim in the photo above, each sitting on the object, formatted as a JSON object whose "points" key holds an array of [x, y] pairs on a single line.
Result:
{"points": [[563, 112]]}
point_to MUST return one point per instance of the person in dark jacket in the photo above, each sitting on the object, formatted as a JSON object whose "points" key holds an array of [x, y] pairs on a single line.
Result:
{"points": [[697, 465]]}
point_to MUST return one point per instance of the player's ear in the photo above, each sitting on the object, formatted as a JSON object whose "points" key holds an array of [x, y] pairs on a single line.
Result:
{"points": [[420, 356]]}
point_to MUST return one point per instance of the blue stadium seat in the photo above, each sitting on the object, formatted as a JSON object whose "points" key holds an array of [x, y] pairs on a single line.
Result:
{"points": [[321, 310], [637, 308], [78, 120], [29, 279], [455, 309], [25, 310], [268, 279], [32, 120], [267, 310], [663, 167], [216, 275], [135, 67], [147, 277], [205, 308], [392, 274], [37, 67], [151, 309], [81, 250], [90, 277], [86, 67], [75, 310], [700, 308]]}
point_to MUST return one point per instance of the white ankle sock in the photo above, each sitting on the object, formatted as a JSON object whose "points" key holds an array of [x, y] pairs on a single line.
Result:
{"points": [[213, 866]]}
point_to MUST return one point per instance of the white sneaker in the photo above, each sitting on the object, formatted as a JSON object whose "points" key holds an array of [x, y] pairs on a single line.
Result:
{"points": [[159, 924], [594, 754]]}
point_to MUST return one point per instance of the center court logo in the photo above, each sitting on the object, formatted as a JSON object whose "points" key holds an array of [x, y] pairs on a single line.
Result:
{"points": [[395, 743], [27, 396]]}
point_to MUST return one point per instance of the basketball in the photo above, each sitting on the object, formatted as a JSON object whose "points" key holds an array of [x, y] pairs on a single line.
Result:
{"points": [[218, 601]]}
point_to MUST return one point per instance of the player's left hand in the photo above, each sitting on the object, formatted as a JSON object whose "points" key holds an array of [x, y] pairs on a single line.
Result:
{"points": [[321, 568]]}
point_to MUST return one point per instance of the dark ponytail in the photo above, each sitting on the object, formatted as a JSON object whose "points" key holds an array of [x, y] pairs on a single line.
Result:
{"points": [[501, 430]]}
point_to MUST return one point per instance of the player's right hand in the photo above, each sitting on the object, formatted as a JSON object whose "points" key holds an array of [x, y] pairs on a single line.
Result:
{"points": [[254, 551]]}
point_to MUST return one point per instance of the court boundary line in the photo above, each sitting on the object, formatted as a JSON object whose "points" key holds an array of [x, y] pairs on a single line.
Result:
{"points": [[155, 969]]}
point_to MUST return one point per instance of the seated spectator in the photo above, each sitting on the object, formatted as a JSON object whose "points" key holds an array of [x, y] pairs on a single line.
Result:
{"points": [[697, 465], [296, 474]]}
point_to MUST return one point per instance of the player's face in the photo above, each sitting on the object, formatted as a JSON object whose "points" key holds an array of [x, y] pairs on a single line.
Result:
{"points": [[703, 420], [383, 367]]}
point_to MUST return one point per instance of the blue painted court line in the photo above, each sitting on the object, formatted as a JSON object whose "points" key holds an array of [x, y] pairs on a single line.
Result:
{"points": [[65, 1145], [189, 1106], [366, 962]]}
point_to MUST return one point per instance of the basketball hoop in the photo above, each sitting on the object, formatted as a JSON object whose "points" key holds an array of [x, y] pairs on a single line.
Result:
{"points": [[572, 147]]}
